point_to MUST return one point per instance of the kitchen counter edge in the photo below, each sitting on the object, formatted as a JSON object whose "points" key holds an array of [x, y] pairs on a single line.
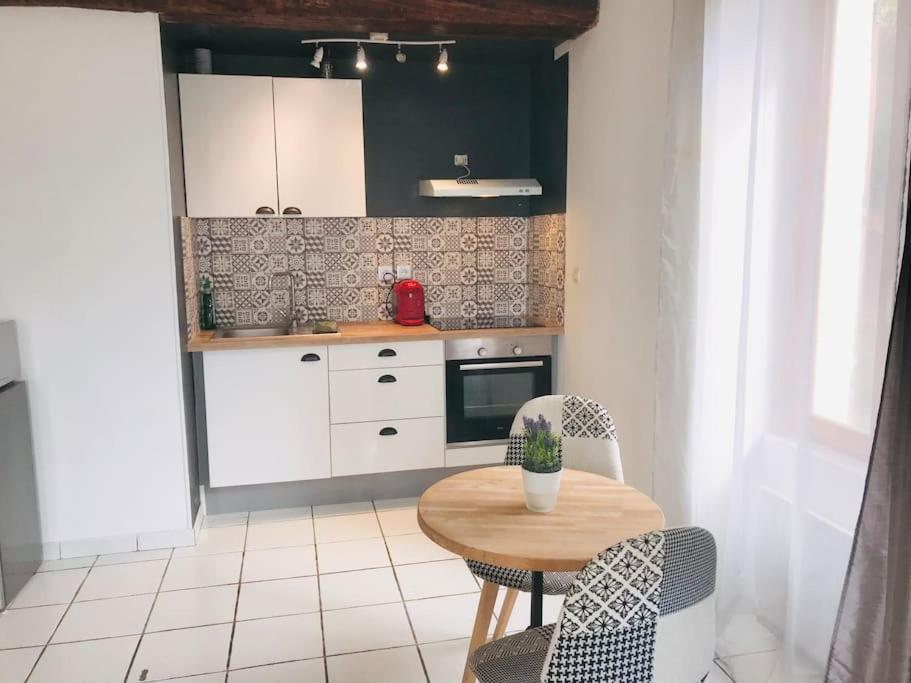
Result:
{"points": [[363, 333]]}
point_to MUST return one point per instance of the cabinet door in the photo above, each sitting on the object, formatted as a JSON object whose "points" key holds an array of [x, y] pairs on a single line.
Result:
{"points": [[228, 144], [267, 415], [319, 132]]}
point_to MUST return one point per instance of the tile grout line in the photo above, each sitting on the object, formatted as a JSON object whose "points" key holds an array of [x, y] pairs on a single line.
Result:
{"points": [[148, 617], [398, 585], [240, 583], [319, 594], [60, 621]]}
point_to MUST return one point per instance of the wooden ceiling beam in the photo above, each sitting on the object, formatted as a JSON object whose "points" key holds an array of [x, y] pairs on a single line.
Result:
{"points": [[554, 19]]}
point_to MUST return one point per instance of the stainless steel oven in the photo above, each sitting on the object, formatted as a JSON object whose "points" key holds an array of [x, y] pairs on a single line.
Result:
{"points": [[488, 380]]}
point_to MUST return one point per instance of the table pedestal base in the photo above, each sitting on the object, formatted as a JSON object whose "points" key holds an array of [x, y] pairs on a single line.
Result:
{"points": [[537, 599]]}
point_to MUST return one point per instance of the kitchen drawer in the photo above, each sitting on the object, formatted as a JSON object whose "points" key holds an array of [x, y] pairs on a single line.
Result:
{"points": [[385, 355], [386, 394], [387, 446]]}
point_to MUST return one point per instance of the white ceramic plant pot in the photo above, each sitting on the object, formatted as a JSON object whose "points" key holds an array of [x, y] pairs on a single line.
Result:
{"points": [[541, 490]]}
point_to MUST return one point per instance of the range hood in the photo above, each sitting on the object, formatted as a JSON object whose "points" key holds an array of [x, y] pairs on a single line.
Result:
{"points": [[479, 187]]}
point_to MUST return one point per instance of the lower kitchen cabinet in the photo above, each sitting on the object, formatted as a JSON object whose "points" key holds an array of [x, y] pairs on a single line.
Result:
{"points": [[387, 393], [387, 446], [267, 414]]}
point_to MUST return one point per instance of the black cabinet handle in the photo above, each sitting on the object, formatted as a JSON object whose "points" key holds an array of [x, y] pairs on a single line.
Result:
{"points": [[265, 210], [387, 379], [386, 353], [309, 357], [291, 211], [388, 431]]}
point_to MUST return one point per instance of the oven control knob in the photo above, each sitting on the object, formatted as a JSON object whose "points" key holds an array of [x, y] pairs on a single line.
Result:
{"points": [[482, 351], [517, 350]]}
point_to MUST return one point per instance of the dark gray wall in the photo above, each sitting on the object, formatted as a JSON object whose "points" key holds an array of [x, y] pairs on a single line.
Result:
{"points": [[415, 121], [549, 109]]}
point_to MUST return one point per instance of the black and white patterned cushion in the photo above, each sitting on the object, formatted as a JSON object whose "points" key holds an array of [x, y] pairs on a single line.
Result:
{"points": [[689, 570], [620, 587], [586, 418], [625, 654], [555, 583], [515, 659]]}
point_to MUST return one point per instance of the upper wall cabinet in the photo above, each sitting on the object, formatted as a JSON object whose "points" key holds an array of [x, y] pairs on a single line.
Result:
{"points": [[228, 145], [255, 145], [319, 132]]}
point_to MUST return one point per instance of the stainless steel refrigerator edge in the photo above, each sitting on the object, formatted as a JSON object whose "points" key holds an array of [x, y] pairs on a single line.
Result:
{"points": [[20, 526]]}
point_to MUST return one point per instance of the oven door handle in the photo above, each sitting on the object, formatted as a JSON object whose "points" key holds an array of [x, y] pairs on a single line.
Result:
{"points": [[502, 366]]}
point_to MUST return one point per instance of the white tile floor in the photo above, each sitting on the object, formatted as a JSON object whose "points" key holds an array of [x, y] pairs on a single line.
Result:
{"points": [[339, 593]]}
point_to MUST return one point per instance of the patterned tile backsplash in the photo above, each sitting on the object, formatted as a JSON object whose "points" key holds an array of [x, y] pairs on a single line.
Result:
{"points": [[470, 267]]}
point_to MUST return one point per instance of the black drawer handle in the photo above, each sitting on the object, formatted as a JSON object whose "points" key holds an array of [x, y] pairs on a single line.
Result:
{"points": [[310, 357], [387, 379], [386, 353], [388, 431], [265, 211], [291, 211]]}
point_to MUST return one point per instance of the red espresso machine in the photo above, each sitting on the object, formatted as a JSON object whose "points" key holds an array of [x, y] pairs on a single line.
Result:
{"points": [[409, 302]]}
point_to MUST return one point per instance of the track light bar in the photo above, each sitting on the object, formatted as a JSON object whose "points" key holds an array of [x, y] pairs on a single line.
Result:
{"points": [[371, 41]]}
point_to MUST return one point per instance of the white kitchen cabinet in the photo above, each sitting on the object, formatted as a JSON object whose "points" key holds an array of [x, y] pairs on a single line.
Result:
{"points": [[384, 394], [255, 143], [228, 144], [387, 446], [386, 355], [267, 413], [319, 135]]}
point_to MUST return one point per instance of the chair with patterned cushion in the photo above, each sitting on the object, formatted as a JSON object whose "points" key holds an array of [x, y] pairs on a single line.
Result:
{"points": [[642, 610], [588, 441]]}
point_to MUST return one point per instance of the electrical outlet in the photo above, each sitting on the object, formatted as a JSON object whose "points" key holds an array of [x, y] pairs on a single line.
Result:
{"points": [[403, 272], [385, 275], [460, 160]]}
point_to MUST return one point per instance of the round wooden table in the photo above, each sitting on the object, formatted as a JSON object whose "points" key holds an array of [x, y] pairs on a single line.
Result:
{"points": [[481, 515]]}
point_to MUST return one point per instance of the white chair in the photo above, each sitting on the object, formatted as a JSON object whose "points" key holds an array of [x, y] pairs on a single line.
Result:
{"points": [[588, 441], [643, 610]]}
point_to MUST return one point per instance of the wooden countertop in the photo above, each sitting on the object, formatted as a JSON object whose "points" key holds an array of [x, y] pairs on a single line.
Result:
{"points": [[360, 333]]}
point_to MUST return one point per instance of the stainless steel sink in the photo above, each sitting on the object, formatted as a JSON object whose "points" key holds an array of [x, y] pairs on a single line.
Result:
{"points": [[241, 332], [246, 332]]}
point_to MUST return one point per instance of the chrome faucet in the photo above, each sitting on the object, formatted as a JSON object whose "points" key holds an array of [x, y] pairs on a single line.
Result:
{"points": [[292, 318]]}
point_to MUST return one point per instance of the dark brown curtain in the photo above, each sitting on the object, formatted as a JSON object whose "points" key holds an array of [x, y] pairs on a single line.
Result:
{"points": [[872, 641]]}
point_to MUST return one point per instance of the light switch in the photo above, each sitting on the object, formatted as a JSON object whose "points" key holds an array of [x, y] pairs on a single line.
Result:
{"points": [[577, 275], [402, 272]]}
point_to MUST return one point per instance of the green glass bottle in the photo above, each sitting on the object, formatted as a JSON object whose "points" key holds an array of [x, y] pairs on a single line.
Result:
{"points": [[206, 304]]}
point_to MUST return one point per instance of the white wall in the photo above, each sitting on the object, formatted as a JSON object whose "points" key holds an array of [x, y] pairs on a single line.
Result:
{"points": [[618, 86], [87, 268]]}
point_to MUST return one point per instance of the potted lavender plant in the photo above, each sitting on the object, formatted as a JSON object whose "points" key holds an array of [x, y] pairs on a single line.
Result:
{"points": [[541, 467]]}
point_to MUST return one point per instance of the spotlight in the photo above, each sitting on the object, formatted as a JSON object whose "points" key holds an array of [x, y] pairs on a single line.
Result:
{"points": [[361, 62], [443, 62], [317, 57], [400, 56]]}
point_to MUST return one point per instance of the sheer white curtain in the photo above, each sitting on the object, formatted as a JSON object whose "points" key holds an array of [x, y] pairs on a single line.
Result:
{"points": [[776, 292]]}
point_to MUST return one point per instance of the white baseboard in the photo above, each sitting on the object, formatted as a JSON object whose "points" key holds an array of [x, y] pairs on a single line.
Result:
{"points": [[97, 546], [50, 551], [167, 539], [461, 456], [177, 538], [197, 524]]}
